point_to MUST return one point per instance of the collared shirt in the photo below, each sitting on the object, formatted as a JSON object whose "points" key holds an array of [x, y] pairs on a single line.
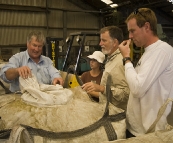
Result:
{"points": [[44, 70], [119, 87], [150, 83]]}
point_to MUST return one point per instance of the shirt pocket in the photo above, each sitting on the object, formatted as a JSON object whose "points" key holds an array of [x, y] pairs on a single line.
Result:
{"points": [[45, 75]]}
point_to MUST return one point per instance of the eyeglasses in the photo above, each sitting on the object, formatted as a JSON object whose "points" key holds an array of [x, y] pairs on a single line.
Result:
{"points": [[136, 11]]}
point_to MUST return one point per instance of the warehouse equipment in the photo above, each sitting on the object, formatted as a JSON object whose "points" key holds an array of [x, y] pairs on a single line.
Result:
{"points": [[80, 39], [53, 50]]}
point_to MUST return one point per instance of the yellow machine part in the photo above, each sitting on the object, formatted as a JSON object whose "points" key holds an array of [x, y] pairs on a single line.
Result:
{"points": [[53, 52], [73, 81]]}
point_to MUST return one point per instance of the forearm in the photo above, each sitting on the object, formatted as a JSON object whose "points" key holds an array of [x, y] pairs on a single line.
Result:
{"points": [[94, 94], [92, 87], [12, 73], [101, 89]]}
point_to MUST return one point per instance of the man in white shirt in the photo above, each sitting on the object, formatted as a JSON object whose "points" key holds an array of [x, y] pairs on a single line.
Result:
{"points": [[151, 81]]}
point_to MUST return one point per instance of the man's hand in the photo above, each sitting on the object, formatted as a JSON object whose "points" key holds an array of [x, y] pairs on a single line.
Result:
{"points": [[90, 87], [13, 73], [24, 72], [58, 81], [124, 48]]}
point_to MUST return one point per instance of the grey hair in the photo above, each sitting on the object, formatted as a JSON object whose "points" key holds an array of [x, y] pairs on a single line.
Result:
{"points": [[114, 32], [38, 35]]}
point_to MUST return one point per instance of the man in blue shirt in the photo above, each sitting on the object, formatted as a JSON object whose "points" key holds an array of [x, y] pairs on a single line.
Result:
{"points": [[30, 62]]}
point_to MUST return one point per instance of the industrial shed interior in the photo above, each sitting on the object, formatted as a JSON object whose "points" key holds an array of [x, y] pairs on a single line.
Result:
{"points": [[64, 19], [71, 28]]}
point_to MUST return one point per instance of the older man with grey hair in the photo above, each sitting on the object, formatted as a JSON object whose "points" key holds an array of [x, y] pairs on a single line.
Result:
{"points": [[111, 37], [30, 62]]}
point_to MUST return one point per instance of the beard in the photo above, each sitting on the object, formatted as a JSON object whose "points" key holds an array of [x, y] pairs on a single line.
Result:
{"points": [[106, 52]]}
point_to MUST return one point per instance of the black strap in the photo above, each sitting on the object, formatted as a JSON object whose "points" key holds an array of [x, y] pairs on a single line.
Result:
{"points": [[4, 134], [104, 121], [7, 91]]}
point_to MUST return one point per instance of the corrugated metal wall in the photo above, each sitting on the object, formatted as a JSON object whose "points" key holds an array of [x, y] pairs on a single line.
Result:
{"points": [[63, 18]]}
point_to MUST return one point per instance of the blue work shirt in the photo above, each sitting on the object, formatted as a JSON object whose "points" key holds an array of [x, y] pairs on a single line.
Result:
{"points": [[44, 70]]}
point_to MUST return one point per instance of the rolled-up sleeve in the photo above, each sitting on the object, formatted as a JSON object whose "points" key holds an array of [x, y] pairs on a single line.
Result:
{"points": [[11, 64]]}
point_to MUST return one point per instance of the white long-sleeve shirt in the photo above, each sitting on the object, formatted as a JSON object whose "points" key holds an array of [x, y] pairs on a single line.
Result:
{"points": [[150, 83]]}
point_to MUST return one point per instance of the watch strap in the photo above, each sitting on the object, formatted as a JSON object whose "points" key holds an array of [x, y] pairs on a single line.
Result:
{"points": [[126, 59]]}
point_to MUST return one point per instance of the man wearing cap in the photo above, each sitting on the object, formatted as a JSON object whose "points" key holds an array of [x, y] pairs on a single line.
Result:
{"points": [[111, 37], [96, 72]]}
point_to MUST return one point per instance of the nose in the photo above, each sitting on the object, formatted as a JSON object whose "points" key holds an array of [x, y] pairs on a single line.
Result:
{"points": [[100, 43], [130, 36], [36, 48]]}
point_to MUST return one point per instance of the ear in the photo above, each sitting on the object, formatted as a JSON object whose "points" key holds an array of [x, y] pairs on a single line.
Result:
{"points": [[115, 42], [147, 26]]}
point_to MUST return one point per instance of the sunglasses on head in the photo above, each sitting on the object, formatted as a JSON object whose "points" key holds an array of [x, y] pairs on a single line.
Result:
{"points": [[136, 11]]}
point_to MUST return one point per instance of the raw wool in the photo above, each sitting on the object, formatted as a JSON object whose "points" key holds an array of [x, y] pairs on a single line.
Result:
{"points": [[2, 91], [68, 116], [77, 114], [5, 99], [156, 137], [7, 85], [79, 93], [43, 94], [19, 135]]}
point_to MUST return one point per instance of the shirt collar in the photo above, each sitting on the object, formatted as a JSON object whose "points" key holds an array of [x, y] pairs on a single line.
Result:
{"points": [[29, 58], [113, 55], [154, 45]]}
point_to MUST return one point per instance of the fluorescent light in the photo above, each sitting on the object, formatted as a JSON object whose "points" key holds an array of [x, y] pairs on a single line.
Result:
{"points": [[114, 5], [107, 1], [103, 0], [170, 1]]}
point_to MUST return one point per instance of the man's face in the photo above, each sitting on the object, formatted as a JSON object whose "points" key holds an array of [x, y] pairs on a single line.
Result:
{"points": [[107, 43], [34, 48], [136, 33]]}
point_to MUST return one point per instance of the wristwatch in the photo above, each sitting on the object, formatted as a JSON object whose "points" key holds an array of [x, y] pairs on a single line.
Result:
{"points": [[126, 59]]}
